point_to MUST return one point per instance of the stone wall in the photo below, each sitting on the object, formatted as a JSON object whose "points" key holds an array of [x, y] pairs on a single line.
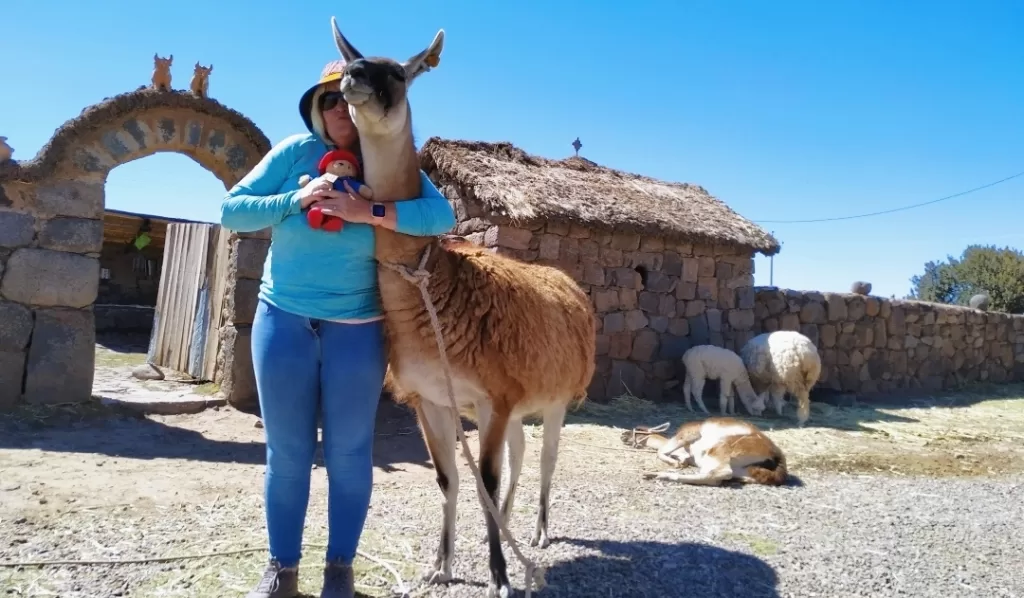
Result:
{"points": [[51, 229], [236, 376], [870, 344], [47, 334]]}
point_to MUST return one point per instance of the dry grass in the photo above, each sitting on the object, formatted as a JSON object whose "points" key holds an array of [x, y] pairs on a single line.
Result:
{"points": [[159, 486], [972, 432]]}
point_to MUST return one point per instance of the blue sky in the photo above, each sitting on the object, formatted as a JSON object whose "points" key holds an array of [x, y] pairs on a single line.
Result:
{"points": [[785, 110]]}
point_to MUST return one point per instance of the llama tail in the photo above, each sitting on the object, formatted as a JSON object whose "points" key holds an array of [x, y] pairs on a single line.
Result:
{"points": [[772, 472]]}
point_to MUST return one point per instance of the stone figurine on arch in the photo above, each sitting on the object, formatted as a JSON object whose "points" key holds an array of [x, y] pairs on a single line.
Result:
{"points": [[162, 72], [6, 151], [200, 84]]}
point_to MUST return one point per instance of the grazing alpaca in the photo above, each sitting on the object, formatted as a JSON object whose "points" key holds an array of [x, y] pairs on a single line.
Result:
{"points": [[705, 362], [722, 448], [781, 361], [520, 338]]}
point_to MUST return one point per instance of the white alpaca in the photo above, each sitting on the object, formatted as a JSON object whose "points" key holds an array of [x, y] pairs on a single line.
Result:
{"points": [[717, 363], [782, 361]]}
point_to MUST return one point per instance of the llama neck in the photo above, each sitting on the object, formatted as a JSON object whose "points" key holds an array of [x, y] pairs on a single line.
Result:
{"points": [[392, 169]]}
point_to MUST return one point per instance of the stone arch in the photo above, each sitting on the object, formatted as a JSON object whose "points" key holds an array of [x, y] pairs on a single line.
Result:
{"points": [[51, 228]]}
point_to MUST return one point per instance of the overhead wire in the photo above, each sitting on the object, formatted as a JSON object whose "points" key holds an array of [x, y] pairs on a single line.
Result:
{"points": [[893, 210]]}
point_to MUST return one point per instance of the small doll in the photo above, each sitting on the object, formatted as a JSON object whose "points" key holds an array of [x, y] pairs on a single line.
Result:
{"points": [[341, 166]]}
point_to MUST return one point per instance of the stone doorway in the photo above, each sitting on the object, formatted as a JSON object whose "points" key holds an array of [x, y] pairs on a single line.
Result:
{"points": [[51, 234]]}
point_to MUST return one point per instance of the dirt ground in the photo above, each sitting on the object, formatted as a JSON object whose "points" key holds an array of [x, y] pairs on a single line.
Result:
{"points": [[92, 483]]}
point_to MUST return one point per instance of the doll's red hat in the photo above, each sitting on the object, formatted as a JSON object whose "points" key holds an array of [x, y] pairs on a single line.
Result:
{"points": [[338, 154]]}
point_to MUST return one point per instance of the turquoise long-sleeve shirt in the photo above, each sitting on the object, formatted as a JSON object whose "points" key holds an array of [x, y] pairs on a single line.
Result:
{"points": [[315, 273]]}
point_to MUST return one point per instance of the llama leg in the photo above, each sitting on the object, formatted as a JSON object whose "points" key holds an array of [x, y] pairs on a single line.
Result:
{"points": [[803, 409], [725, 400], [711, 474], [554, 416], [516, 445], [492, 425], [778, 394], [687, 389], [438, 427], [698, 392]]}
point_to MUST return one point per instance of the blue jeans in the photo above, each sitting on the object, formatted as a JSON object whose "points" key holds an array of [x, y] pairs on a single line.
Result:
{"points": [[303, 366]]}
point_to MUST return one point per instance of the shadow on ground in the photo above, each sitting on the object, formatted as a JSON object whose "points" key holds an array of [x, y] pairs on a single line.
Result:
{"points": [[117, 432], [123, 342], [659, 570], [837, 411]]}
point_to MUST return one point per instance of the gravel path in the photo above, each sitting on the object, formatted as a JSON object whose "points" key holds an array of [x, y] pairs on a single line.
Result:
{"points": [[130, 487]]}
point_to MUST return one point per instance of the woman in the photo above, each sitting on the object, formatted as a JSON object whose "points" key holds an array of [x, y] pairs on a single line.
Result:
{"points": [[317, 337]]}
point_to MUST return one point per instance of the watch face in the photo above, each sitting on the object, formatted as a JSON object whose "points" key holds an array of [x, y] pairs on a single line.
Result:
{"points": [[378, 210]]}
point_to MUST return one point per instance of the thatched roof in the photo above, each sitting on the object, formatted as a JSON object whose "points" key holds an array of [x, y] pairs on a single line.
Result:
{"points": [[109, 113], [525, 188]]}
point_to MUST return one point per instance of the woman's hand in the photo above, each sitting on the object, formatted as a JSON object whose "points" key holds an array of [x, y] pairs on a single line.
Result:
{"points": [[314, 191], [348, 206]]}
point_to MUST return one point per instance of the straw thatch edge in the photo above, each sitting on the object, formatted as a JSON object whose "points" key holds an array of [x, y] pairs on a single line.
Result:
{"points": [[447, 159]]}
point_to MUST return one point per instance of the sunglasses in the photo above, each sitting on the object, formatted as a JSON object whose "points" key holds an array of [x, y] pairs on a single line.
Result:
{"points": [[330, 99]]}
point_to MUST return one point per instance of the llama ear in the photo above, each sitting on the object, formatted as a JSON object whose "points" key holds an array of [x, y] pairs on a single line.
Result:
{"points": [[348, 51], [425, 60]]}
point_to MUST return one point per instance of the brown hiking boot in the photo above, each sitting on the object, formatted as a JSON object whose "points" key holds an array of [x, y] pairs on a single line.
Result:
{"points": [[277, 582], [339, 582]]}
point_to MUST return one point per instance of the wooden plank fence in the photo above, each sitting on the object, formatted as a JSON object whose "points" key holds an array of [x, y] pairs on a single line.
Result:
{"points": [[187, 318]]}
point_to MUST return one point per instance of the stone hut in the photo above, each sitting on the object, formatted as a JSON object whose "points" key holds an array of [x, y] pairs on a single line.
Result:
{"points": [[667, 265]]}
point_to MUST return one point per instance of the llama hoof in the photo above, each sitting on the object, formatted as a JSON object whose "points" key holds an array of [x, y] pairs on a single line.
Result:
{"points": [[540, 539], [437, 576], [496, 591]]}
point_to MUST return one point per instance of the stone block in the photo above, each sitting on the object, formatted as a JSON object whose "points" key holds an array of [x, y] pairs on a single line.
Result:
{"points": [[836, 307], [12, 370], [645, 346], [547, 248], [625, 241], [508, 236], [605, 300], [235, 373], [48, 278], [628, 299], [635, 320], [61, 357], [626, 378], [242, 301], [15, 329], [71, 198], [78, 235], [248, 257], [16, 229]]}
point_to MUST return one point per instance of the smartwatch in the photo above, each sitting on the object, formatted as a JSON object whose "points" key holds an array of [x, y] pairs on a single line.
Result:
{"points": [[378, 210]]}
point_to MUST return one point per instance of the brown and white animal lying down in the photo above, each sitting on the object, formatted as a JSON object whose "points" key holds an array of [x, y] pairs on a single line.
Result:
{"points": [[722, 448]]}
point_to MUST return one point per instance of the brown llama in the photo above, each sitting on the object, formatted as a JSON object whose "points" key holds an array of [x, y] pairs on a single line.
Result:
{"points": [[519, 338]]}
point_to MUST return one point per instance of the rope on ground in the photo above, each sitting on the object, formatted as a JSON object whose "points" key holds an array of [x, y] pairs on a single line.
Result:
{"points": [[420, 278]]}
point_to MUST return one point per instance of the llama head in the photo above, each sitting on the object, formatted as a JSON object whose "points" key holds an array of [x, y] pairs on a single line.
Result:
{"points": [[755, 403], [202, 71], [376, 88]]}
